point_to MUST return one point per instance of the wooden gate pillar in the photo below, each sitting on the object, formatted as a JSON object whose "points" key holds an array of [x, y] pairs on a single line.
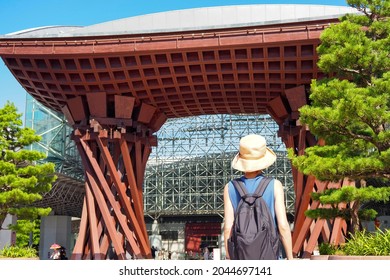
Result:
{"points": [[307, 232], [114, 136]]}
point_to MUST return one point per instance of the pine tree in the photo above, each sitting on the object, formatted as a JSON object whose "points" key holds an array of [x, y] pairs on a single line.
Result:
{"points": [[23, 179], [349, 110]]}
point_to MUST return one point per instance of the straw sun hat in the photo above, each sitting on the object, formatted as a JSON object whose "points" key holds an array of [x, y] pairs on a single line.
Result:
{"points": [[253, 154]]}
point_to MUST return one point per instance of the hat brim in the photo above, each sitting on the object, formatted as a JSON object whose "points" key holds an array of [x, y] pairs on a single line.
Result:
{"points": [[251, 165], [55, 246]]}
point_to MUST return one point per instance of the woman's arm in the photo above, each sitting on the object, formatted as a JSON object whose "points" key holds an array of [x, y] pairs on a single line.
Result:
{"points": [[281, 217], [228, 218]]}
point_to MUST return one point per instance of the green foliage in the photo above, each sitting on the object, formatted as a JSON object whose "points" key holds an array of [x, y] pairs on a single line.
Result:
{"points": [[363, 243], [367, 214], [356, 53], [325, 213], [328, 249], [353, 126], [18, 252], [345, 213], [22, 179], [350, 194], [23, 229], [349, 110]]}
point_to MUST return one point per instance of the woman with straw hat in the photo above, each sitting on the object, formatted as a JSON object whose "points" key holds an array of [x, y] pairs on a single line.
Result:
{"points": [[254, 156]]}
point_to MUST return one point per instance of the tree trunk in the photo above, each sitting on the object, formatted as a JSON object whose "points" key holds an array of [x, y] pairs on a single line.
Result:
{"points": [[2, 219], [355, 220]]}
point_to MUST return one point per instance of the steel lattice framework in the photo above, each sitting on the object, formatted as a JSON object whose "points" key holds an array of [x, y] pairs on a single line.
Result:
{"points": [[186, 172], [188, 169]]}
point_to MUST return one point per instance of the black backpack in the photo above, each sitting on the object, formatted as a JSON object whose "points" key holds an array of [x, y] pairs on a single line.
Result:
{"points": [[254, 235]]}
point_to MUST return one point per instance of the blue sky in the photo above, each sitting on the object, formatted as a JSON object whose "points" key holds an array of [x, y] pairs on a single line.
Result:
{"points": [[17, 15]]}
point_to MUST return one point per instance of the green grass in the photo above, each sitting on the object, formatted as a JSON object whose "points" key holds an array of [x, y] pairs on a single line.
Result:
{"points": [[362, 243]]}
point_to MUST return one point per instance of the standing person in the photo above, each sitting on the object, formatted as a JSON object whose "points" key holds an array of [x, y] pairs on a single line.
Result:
{"points": [[206, 253], [253, 157]]}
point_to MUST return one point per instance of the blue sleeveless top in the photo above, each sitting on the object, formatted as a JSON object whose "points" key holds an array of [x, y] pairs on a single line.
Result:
{"points": [[251, 185]]}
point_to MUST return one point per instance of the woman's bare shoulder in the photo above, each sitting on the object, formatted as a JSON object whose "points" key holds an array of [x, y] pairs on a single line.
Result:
{"points": [[278, 186]]}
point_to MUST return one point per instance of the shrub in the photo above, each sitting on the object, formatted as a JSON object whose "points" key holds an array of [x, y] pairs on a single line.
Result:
{"points": [[365, 243], [361, 243], [327, 249], [330, 249], [18, 252]]}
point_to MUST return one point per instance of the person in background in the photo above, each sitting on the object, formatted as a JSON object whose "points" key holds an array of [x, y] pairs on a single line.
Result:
{"points": [[206, 253], [154, 250]]}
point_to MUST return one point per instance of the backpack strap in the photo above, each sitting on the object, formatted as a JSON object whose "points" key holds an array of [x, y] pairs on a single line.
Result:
{"points": [[263, 185], [250, 198], [240, 187], [260, 191]]}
